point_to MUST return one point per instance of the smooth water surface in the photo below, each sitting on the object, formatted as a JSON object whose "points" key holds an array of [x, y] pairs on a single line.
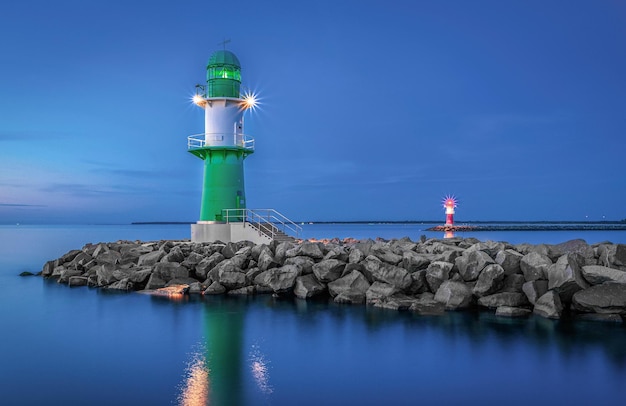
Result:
{"points": [[83, 346]]}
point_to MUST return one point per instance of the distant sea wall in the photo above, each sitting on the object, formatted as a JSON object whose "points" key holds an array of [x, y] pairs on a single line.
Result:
{"points": [[429, 277]]}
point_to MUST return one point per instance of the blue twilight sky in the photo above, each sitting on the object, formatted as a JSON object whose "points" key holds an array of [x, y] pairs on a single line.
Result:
{"points": [[370, 109]]}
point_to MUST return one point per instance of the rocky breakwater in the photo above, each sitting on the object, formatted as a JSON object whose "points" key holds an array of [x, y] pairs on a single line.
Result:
{"points": [[573, 279]]}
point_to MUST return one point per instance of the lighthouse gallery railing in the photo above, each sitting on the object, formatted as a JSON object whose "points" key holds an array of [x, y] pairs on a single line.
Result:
{"points": [[262, 217], [219, 139]]}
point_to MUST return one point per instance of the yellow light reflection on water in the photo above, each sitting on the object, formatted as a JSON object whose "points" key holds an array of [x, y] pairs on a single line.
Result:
{"points": [[196, 387]]}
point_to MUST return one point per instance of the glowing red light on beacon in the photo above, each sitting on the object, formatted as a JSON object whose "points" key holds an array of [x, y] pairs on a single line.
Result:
{"points": [[449, 203]]}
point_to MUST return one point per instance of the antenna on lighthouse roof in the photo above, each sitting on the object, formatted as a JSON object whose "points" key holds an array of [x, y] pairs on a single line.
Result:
{"points": [[223, 43]]}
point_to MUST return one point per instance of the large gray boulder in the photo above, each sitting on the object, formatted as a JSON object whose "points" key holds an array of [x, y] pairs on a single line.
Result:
{"points": [[311, 250], [266, 260], [124, 284], [379, 290], [412, 261], [549, 305], [169, 270], [454, 295], [376, 270], [426, 305], [77, 281], [175, 255], [230, 276], [511, 299], [598, 274], [150, 258], [419, 284], [215, 289], [105, 275], [535, 266], [355, 256], [205, 265], [535, 289], [385, 253], [154, 282], [328, 270], [308, 286], [604, 299], [565, 277], [286, 249], [489, 281], [509, 260], [471, 263], [513, 283], [436, 273], [109, 257], [304, 263], [283, 279], [353, 284]]}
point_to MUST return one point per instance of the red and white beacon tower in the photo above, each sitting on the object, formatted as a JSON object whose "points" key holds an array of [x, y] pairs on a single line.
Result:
{"points": [[449, 203]]}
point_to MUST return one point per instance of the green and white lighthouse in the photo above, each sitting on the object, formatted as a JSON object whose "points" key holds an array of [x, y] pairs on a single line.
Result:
{"points": [[223, 146]]}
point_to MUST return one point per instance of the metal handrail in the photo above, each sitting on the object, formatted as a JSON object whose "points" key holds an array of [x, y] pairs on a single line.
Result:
{"points": [[259, 217], [200, 140]]}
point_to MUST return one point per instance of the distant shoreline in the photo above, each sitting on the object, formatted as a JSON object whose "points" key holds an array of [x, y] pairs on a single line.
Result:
{"points": [[466, 226]]}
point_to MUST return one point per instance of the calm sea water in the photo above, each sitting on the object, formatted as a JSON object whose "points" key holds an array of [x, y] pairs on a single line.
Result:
{"points": [[82, 346]]}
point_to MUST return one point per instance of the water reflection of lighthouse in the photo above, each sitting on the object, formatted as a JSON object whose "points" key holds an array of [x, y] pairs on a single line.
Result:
{"points": [[216, 373]]}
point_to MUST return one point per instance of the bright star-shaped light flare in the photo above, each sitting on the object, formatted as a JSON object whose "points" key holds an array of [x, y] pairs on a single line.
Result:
{"points": [[449, 202], [198, 100], [250, 101]]}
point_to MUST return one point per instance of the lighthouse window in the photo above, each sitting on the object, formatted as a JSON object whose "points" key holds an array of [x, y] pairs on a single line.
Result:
{"points": [[224, 73]]}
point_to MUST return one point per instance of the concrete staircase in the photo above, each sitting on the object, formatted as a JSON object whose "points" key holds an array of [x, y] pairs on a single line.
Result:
{"points": [[272, 232]]}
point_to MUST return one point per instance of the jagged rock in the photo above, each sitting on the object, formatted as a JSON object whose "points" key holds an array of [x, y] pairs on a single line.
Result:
{"points": [[308, 286], [605, 298], [195, 288], [180, 281], [78, 281], [175, 255], [282, 279], [426, 305], [139, 275], [337, 252], [66, 274], [125, 284], [286, 249], [240, 261], [252, 273], [385, 254], [391, 274], [549, 305], [379, 290], [620, 255], [304, 263], [48, 268], [513, 283], [169, 270], [154, 282], [448, 256], [230, 276], [565, 277], [436, 273], [579, 247], [597, 274], [419, 283], [509, 260], [352, 284], [311, 250], [535, 266], [534, 290], [257, 249], [105, 275], [356, 256], [508, 311], [608, 317], [266, 260], [207, 264], [229, 250], [471, 263], [328, 270], [491, 248], [511, 299], [412, 261], [489, 281], [454, 295], [151, 258], [109, 257], [215, 289], [69, 256]]}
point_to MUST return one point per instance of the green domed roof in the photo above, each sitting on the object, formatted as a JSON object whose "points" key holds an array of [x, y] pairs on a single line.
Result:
{"points": [[224, 57]]}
